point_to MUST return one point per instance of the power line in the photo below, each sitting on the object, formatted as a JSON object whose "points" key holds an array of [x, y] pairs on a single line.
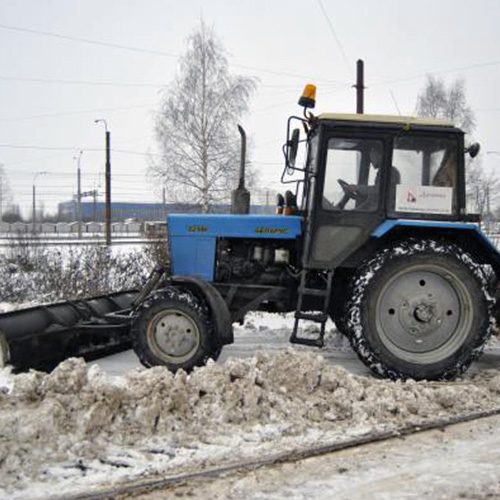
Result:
{"points": [[88, 41], [284, 88], [287, 103], [73, 174], [72, 113], [141, 50], [336, 38], [80, 82], [436, 72], [49, 148], [75, 148]]}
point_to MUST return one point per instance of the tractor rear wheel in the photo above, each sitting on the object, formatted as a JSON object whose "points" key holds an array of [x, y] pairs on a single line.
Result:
{"points": [[173, 329], [418, 310], [338, 307]]}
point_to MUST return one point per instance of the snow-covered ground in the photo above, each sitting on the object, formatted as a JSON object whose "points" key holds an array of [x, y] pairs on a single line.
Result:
{"points": [[459, 462], [86, 427]]}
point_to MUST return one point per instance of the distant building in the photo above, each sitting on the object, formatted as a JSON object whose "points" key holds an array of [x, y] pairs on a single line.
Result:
{"points": [[120, 211]]}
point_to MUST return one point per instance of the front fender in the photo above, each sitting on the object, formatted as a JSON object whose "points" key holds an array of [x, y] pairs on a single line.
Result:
{"points": [[218, 307]]}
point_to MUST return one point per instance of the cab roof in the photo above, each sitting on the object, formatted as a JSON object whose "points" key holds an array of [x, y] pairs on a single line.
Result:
{"points": [[394, 119]]}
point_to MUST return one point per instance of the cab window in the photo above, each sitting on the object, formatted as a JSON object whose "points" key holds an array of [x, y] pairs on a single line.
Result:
{"points": [[352, 174], [428, 168]]}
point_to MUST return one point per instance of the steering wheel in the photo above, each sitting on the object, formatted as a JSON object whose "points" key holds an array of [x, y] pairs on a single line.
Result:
{"points": [[347, 192]]}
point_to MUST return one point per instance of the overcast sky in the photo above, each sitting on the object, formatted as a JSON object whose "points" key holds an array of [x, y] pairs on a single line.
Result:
{"points": [[55, 82]]}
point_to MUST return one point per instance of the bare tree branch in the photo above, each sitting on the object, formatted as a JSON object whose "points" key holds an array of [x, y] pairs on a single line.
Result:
{"points": [[437, 101]]}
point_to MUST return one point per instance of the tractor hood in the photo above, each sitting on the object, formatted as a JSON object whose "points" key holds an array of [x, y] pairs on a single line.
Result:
{"points": [[234, 226], [193, 237]]}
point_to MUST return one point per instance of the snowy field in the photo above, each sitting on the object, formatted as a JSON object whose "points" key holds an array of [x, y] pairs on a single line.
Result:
{"points": [[87, 427]]}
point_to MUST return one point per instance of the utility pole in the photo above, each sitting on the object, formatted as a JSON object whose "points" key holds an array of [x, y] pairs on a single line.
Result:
{"points": [[360, 86], [108, 181], [94, 211]]}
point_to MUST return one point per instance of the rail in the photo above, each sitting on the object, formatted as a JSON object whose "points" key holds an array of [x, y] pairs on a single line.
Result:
{"points": [[155, 483]]}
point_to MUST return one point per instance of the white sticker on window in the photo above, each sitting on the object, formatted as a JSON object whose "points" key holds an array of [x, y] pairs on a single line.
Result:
{"points": [[424, 199]]}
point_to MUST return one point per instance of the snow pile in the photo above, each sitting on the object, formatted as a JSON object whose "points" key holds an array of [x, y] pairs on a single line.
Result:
{"points": [[78, 422]]}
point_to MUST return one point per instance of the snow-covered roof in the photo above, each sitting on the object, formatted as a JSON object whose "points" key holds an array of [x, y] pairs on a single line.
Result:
{"points": [[405, 120]]}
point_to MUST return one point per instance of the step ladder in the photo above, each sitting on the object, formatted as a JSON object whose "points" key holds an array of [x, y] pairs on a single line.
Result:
{"points": [[320, 317]]}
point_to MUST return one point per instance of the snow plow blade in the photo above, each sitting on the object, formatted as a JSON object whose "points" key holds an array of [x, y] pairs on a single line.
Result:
{"points": [[41, 337]]}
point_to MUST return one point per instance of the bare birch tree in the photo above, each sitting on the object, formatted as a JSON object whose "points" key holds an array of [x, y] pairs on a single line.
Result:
{"points": [[196, 126], [5, 192], [439, 101]]}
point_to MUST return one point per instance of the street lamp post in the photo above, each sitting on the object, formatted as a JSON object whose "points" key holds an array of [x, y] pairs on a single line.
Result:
{"points": [[79, 195], [108, 181], [34, 198]]}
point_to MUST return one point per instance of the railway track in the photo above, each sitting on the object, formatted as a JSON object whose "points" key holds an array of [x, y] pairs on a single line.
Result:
{"points": [[168, 484]]}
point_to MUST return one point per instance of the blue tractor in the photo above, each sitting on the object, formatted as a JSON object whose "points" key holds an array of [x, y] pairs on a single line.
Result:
{"points": [[380, 242], [374, 234]]}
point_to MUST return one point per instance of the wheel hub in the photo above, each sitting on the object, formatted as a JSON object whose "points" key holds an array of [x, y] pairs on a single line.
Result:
{"points": [[175, 334], [418, 312], [420, 315]]}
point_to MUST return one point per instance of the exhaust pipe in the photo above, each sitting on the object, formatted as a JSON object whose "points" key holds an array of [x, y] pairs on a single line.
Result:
{"points": [[240, 197]]}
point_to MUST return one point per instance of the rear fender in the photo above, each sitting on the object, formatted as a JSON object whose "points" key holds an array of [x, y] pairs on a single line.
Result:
{"points": [[218, 307], [466, 235]]}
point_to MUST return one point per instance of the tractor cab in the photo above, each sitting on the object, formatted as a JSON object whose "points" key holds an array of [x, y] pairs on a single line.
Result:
{"points": [[363, 170]]}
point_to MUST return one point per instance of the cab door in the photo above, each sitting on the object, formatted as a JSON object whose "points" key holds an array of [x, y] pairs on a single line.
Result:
{"points": [[349, 196]]}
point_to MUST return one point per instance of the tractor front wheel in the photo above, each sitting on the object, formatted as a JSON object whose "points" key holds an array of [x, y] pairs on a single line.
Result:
{"points": [[173, 329]]}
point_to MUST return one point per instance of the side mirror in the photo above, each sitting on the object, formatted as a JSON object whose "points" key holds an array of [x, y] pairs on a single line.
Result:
{"points": [[293, 146], [473, 149]]}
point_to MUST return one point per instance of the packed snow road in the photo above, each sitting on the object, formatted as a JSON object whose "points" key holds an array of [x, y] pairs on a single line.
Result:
{"points": [[92, 428], [261, 332], [271, 332], [460, 461]]}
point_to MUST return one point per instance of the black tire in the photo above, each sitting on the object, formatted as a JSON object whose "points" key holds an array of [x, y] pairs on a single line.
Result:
{"points": [[339, 316], [418, 310], [338, 306], [173, 329]]}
